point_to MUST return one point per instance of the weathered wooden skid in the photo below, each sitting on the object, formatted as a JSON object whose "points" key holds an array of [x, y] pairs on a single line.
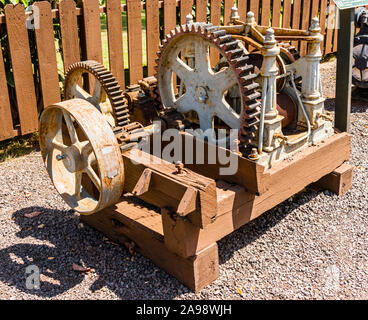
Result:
{"points": [[189, 252]]}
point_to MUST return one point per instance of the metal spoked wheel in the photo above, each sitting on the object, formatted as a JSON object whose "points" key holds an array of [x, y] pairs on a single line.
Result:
{"points": [[81, 155]]}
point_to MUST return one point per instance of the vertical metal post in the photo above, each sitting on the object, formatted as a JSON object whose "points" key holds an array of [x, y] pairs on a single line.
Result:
{"points": [[344, 65]]}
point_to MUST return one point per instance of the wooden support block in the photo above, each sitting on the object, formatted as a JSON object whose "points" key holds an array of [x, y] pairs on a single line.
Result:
{"points": [[180, 235], [338, 181], [189, 194], [121, 224]]}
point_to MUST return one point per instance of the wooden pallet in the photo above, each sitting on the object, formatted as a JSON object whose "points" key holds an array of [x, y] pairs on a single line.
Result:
{"points": [[176, 220]]}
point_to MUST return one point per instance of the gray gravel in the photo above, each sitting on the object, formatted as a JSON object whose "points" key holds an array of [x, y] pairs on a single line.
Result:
{"points": [[310, 247]]}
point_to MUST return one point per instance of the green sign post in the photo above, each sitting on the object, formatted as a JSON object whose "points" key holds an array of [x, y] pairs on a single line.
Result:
{"points": [[344, 62]]}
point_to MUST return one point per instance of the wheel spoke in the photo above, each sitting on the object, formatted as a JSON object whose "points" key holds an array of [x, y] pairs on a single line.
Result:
{"points": [[224, 80], [78, 184], [80, 93], [201, 54], [228, 114], [71, 128], [94, 177], [59, 146], [183, 71], [186, 102]]}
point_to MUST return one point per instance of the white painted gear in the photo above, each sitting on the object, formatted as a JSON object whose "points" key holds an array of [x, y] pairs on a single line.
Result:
{"points": [[205, 89]]}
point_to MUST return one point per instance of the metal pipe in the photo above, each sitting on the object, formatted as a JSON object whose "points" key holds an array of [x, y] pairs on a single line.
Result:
{"points": [[263, 111], [305, 116]]}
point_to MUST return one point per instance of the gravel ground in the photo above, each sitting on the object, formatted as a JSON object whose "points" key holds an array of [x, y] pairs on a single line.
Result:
{"points": [[310, 247]]}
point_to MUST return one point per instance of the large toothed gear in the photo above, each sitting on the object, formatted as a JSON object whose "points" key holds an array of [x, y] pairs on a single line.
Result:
{"points": [[204, 88], [106, 96]]}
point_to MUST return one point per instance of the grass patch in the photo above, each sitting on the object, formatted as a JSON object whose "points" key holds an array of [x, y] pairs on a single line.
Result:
{"points": [[18, 147]]}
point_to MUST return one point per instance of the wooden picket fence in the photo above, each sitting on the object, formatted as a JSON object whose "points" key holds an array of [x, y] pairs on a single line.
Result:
{"points": [[81, 39]]}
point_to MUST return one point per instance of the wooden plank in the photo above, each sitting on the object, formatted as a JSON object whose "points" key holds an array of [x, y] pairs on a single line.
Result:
{"points": [[169, 16], [305, 24], [296, 19], [276, 13], [336, 31], [69, 33], [153, 33], [135, 40], [115, 40], [46, 53], [286, 17], [201, 11], [216, 21], [185, 9], [6, 122], [330, 28], [22, 67], [242, 9], [121, 225], [92, 34], [322, 20], [338, 181], [248, 173], [265, 17], [314, 9], [227, 10], [254, 7], [344, 70]]}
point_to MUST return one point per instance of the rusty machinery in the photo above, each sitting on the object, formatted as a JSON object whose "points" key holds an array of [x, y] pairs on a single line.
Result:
{"points": [[257, 83]]}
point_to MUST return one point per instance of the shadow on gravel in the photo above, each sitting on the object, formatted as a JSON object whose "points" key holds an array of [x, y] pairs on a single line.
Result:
{"points": [[357, 105], [256, 228], [67, 241]]}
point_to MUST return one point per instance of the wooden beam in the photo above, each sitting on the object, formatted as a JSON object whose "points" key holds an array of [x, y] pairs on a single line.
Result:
{"points": [[120, 224]]}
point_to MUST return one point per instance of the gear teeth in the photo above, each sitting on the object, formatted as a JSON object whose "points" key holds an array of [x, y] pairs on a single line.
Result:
{"points": [[108, 82]]}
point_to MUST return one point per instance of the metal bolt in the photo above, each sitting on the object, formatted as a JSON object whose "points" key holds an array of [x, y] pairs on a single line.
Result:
{"points": [[189, 19], [254, 154], [234, 14], [179, 167], [60, 157]]}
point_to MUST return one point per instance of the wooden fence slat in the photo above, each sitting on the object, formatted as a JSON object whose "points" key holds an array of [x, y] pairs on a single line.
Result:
{"points": [[153, 33], [46, 52], [305, 24], [296, 18], [216, 21], [201, 11], [286, 16], [6, 122], [336, 30], [69, 32], [135, 40], [227, 10], [315, 9], [185, 9], [322, 19], [92, 34], [254, 7], [276, 13], [329, 32], [265, 17], [115, 40], [22, 67], [169, 16], [242, 9]]}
